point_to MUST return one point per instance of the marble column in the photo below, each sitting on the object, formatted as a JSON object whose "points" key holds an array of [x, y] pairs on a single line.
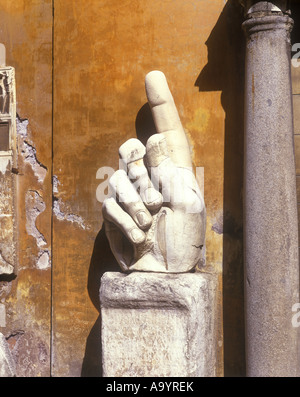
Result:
{"points": [[270, 205]]}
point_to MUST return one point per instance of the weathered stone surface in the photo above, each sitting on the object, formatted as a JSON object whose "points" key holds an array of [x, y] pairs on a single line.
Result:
{"points": [[296, 107], [252, 6], [159, 208], [271, 230], [7, 364], [158, 324]]}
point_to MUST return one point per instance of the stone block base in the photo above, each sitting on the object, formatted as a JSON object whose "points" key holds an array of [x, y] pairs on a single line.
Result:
{"points": [[159, 325]]}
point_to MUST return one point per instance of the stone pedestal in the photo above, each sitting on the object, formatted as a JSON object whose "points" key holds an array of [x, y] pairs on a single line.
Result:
{"points": [[270, 206], [159, 325]]}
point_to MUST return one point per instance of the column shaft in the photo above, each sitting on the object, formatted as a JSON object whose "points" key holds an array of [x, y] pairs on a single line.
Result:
{"points": [[270, 205]]}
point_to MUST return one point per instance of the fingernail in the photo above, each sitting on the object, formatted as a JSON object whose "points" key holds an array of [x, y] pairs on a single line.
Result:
{"points": [[143, 218], [137, 236]]}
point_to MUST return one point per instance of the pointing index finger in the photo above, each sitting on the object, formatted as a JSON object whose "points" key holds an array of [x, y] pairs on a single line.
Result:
{"points": [[166, 118]]}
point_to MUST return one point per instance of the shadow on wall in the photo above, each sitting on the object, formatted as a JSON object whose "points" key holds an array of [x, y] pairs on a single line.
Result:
{"points": [[295, 35], [225, 72], [102, 261]]}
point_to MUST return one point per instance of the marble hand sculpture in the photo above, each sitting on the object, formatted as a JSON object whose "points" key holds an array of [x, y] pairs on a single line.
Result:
{"points": [[155, 216]]}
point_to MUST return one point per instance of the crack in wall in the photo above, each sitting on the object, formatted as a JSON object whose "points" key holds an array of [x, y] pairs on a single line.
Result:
{"points": [[22, 125], [29, 153]]}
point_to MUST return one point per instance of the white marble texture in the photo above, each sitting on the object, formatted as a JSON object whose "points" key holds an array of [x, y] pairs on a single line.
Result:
{"points": [[155, 217]]}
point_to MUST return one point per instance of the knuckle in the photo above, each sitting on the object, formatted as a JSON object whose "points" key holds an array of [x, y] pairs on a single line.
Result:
{"points": [[107, 204], [118, 175], [137, 172], [132, 150]]}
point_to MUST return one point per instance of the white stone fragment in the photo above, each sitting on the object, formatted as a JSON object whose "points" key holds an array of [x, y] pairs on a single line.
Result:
{"points": [[4, 164]]}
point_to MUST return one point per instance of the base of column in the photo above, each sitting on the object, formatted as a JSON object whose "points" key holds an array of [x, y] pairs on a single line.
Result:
{"points": [[158, 325]]}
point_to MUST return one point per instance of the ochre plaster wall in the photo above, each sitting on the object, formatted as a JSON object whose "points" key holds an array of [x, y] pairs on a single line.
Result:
{"points": [[102, 51], [26, 32], [99, 71]]}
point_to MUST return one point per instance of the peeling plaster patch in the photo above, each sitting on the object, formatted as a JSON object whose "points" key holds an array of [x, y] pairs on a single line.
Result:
{"points": [[22, 125], [29, 154], [43, 260], [34, 207], [2, 315], [28, 151], [55, 183], [4, 164], [61, 214], [62, 210], [34, 203]]}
